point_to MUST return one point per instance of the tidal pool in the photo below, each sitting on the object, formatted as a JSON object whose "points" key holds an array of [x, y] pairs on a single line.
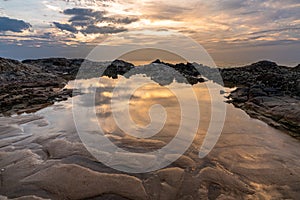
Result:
{"points": [[43, 156]]}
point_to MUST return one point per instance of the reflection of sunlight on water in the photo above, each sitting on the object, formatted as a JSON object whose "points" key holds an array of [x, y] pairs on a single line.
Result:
{"points": [[143, 99], [248, 148]]}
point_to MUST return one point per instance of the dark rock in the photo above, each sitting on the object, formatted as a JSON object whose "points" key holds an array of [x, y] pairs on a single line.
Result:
{"points": [[267, 92], [256, 92], [297, 68], [29, 83], [157, 61], [117, 67]]}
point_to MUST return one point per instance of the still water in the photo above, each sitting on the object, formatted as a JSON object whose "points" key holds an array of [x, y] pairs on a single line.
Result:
{"points": [[249, 160]]}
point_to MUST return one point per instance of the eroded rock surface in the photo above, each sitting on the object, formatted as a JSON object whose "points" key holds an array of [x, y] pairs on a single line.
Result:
{"points": [[43, 160], [27, 88]]}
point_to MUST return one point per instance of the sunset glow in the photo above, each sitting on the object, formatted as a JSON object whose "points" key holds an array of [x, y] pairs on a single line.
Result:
{"points": [[233, 32]]}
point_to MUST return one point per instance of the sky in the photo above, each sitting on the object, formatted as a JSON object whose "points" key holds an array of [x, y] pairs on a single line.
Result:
{"points": [[233, 32]]}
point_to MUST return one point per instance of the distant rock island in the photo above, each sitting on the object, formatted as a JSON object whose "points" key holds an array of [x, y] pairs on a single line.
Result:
{"points": [[264, 90]]}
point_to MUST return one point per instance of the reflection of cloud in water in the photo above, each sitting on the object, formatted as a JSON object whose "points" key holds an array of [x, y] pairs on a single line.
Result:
{"points": [[140, 103]]}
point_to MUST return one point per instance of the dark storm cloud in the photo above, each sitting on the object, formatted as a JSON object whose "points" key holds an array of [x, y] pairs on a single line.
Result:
{"points": [[14, 25], [65, 27]]}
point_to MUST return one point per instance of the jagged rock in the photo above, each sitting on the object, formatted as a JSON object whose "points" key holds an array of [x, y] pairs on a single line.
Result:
{"points": [[59, 66], [35, 82], [24, 85], [117, 67]]}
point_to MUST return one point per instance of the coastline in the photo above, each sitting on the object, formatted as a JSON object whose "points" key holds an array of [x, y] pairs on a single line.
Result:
{"points": [[43, 156], [265, 91]]}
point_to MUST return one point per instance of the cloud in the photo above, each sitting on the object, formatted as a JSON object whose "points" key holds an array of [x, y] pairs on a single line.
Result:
{"points": [[231, 4], [215, 24], [87, 20], [65, 27], [103, 30], [14, 25], [276, 30], [79, 18], [84, 15], [78, 11], [167, 10], [126, 20]]}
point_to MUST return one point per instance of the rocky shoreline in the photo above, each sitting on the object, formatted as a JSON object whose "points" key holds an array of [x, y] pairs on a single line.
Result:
{"points": [[265, 90], [30, 85], [42, 156], [27, 88]]}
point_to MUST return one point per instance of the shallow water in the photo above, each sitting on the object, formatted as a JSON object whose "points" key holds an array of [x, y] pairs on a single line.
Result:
{"points": [[42, 153]]}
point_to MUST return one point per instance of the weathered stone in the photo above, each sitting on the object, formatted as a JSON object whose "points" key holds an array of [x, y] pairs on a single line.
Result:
{"points": [[263, 90], [75, 182]]}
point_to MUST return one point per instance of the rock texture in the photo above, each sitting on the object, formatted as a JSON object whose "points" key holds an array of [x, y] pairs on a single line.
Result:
{"points": [[27, 88], [47, 161], [268, 92], [265, 90], [30, 85]]}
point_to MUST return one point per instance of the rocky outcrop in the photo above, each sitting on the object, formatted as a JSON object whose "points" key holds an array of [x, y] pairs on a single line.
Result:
{"points": [[27, 88], [266, 74], [268, 92], [265, 89], [188, 71], [33, 84], [62, 67], [158, 71], [117, 67]]}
